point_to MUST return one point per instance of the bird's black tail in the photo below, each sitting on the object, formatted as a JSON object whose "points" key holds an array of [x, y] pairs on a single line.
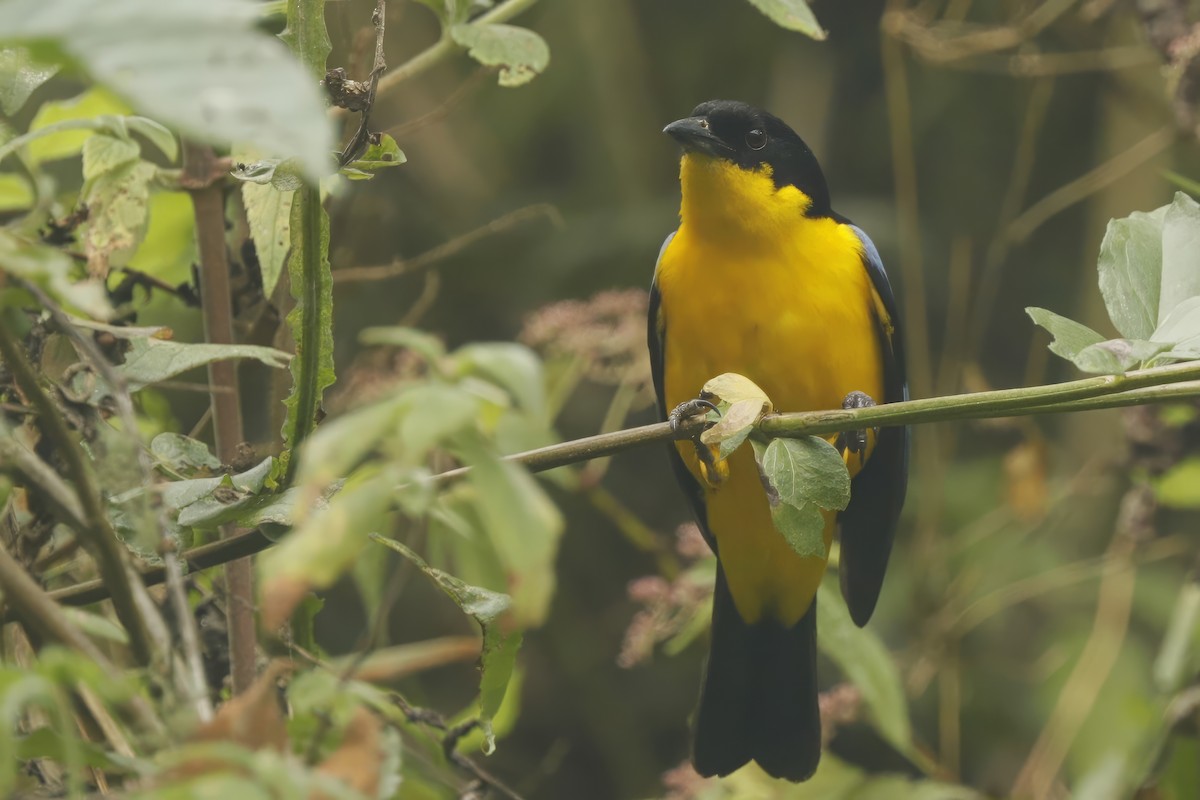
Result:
{"points": [[759, 696]]}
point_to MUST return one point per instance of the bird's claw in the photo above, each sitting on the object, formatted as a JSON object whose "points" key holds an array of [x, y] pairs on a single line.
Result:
{"points": [[855, 441], [696, 407]]}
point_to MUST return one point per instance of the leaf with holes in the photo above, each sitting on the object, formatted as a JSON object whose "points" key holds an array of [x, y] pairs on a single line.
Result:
{"points": [[520, 53]]}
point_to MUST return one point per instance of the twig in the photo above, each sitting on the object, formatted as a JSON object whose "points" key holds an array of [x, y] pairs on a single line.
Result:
{"points": [[358, 141], [98, 534], [450, 248], [217, 304], [1158, 385]]}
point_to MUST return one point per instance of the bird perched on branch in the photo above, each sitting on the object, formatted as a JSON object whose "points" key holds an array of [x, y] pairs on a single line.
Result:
{"points": [[762, 278]]}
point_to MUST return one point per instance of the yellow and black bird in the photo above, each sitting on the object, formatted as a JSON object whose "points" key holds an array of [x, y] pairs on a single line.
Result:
{"points": [[764, 279]]}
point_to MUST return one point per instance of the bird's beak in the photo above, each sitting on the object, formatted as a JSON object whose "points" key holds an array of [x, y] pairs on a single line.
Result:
{"points": [[694, 135]]}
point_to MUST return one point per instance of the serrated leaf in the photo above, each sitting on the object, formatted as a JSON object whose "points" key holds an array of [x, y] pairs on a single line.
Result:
{"points": [[20, 76], [499, 651], [1130, 266], [269, 212], [182, 453], [1117, 356], [202, 68], [520, 53], [807, 470], [1070, 336], [866, 663], [152, 360], [794, 15], [103, 153], [378, 156], [1180, 255], [802, 526], [730, 387], [50, 269]]}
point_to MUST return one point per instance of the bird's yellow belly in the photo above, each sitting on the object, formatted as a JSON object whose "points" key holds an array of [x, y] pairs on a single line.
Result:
{"points": [[801, 327]]}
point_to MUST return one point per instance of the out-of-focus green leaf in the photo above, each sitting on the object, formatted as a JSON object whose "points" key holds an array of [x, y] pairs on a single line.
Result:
{"points": [[1181, 327], [19, 78], [152, 360], [326, 544], [341, 444], [181, 453], [117, 210], [1179, 487], [513, 367], [1117, 356], [866, 663], [499, 652], [51, 269], [306, 36], [156, 134], [1180, 653], [523, 525], [104, 153], [93, 103], [423, 344], [378, 156], [1180, 254], [269, 212], [519, 52], [1130, 267], [15, 193], [168, 248], [203, 68], [795, 15], [1070, 337], [432, 413]]}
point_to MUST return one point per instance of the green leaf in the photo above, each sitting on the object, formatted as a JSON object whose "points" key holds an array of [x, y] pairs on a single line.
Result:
{"points": [[20, 76], [1130, 267], [168, 248], [734, 425], [282, 175], [794, 15], [432, 413], [152, 360], [1117, 356], [523, 525], [513, 367], [802, 526], [378, 156], [340, 445], [179, 495], [269, 212], [1180, 651], [117, 203], [1180, 255], [156, 134], [183, 454], [499, 652], [305, 34], [1070, 336], [807, 470], [866, 663], [1179, 487], [310, 321], [103, 153], [426, 345], [15, 193], [1181, 327], [202, 68], [51, 269], [95, 102], [519, 52]]}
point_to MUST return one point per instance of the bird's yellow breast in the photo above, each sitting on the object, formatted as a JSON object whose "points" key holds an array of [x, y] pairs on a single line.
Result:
{"points": [[750, 285]]}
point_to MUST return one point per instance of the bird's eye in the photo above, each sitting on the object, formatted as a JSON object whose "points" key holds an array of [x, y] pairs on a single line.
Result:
{"points": [[756, 139]]}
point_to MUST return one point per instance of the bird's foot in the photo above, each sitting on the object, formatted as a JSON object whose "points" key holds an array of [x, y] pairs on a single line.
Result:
{"points": [[712, 469], [689, 409], [855, 441]]}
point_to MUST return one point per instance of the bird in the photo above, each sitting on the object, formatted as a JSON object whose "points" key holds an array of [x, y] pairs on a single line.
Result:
{"points": [[764, 279]]}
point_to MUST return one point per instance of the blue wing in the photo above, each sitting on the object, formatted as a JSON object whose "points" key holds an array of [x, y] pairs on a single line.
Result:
{"points": [[868, 525]]}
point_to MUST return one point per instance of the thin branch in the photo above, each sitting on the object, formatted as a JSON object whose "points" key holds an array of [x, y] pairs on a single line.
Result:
{"points": [[358, 141], [1157, 385], [216, 297], [98, 534], [453, 247]]}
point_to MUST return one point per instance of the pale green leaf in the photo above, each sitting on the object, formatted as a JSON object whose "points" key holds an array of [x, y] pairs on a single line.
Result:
{"points": [[807, 470], [424, 344], [178, 495], [283, 175], [432, 413], [513, 367], [1130, 266], [93, 103], [520, 53], [20, 76], [735, 423], [1069, 336], [795, 15], [342, 443], [269, 212], [117, 203], [1181, 327], [152, 360], [1180, 255], [866, 663], [730, 387], [202, 68], [1117, 356], [1179, 487], [246, 510], [499, 651], [168, 248], [15, 193], [103, 153], [181, 453], [156, 134]]}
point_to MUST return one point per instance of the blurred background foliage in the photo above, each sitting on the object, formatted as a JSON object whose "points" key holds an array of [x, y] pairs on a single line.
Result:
{"points": [[1018, 648]]}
